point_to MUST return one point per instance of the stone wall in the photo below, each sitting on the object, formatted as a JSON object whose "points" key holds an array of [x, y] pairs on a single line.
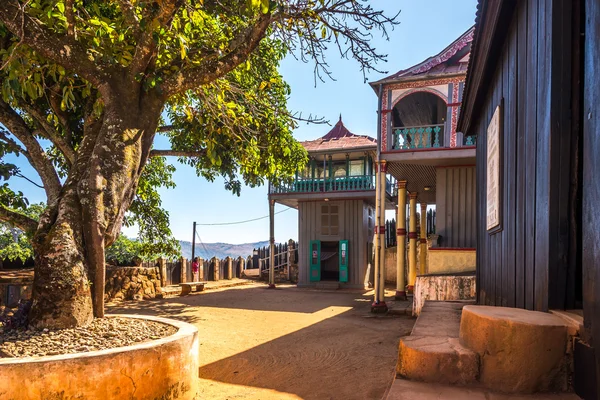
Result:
{"points": [[132, 283], [443, 288]]}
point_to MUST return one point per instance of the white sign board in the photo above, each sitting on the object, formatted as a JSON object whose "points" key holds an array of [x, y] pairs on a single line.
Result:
{"points": [[493, 171]]}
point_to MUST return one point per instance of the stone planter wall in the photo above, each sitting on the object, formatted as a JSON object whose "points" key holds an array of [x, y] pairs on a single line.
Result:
{"points": [[164, 369], [132, 283]]}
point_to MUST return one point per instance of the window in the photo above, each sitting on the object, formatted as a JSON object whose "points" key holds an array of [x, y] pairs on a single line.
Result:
{"points": [[330, 220], [356, 168]]}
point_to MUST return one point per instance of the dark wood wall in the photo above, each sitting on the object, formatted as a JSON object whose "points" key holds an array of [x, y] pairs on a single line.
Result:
{"points": [[526, 263], [455, 206], [591, 179]]}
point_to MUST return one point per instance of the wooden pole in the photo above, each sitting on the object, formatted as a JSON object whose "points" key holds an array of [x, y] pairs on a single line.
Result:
{"points": [[423, 239], [194, 242], [401, 242], [412, 238], [382, 197], [376, 241], [272, 244]]}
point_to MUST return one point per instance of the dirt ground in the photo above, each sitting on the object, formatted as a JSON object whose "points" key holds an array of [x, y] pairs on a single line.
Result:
{"points": [[287, 343]]}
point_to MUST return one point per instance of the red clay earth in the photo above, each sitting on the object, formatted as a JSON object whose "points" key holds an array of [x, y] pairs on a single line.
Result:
{"points": [[287, 344]]}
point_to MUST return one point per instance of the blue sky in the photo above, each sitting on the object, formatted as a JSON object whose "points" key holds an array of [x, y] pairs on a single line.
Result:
{"points": [[426, 27]]}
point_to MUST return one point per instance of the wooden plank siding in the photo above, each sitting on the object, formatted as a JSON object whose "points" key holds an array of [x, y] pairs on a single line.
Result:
{"points": [[526, 263], [353, 226], [591, 180], [455, 206]]}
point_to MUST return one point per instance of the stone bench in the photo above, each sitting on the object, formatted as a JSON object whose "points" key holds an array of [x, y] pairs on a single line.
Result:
{"points": [[186, 288]]}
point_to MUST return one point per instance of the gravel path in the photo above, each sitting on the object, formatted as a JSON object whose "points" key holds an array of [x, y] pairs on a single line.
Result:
{"points": [[104, 333], [287, 344]]}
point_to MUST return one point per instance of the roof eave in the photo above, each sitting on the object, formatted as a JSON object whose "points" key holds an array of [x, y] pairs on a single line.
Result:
{"points": [[488, 33]]}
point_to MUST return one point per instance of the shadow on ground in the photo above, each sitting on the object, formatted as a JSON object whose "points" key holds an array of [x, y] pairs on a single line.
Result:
{"points": [[273, 344]]}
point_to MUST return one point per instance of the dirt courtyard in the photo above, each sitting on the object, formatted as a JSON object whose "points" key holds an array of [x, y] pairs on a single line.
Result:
{"points": [[287, 343]]}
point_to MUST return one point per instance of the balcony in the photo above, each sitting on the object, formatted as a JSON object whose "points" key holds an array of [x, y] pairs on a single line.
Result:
{"points": [[319, 185], [425, 137], [418, 137], [358, 183]]}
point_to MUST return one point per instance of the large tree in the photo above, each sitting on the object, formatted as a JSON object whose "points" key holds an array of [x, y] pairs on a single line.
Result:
{"points": [[87, 84]]}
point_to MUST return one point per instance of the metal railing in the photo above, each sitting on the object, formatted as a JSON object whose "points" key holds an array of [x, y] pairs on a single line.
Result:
{"points": [[319, 185]]}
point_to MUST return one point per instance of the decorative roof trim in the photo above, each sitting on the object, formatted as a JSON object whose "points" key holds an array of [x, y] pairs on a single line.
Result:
{"points": [[424, 66]]}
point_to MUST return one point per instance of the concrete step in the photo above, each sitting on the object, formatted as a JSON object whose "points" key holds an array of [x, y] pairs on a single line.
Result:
{"points": [[327, 285], [521, 351], [433, 353], [439, 359], [406, 390]]}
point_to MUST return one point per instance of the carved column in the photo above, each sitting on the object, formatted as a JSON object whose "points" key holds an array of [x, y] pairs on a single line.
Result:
{"points": [[401, 242], [412, 245], [423, 239], [379, 239]]}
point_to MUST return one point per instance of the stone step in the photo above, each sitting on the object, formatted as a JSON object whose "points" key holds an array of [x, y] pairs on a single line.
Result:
{"points": [[439, 359], [521, 351], [433, 352], [323, 285]]}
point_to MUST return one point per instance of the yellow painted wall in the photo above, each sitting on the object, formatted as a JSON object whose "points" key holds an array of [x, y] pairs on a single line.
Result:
{"points": [[451, 261]]}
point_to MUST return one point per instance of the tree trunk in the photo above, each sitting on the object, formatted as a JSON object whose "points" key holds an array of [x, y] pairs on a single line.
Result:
{"points": [[61, 287], [69, 244]]}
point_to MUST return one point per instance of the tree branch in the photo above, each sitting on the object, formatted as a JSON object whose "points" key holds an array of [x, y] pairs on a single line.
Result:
{"points": [[50, 133], [212, 69], [177, 153], [62, 49], [37, 156], [146, 45], [17, 219]]}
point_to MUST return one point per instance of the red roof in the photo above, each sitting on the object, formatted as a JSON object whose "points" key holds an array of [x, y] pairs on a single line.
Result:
{"points": [[438, 65], [339, 138]]}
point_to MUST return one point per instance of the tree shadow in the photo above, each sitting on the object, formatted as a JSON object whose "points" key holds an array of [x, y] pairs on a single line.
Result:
{"points": [[342, 357]]}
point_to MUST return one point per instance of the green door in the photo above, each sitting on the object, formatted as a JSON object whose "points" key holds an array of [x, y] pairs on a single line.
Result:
{"points": [[343, 261], [315, 260]]}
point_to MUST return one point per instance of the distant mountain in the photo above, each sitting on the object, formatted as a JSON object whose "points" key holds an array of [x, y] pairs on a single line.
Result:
{"points": [[220, 250]]}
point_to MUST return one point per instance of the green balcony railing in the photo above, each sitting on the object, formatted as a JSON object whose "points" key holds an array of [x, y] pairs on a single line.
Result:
{"points": [[319, 185], [418, 137]]}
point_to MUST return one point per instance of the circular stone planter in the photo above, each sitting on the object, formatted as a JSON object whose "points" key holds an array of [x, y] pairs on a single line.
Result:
{"points": [[163, 369]]}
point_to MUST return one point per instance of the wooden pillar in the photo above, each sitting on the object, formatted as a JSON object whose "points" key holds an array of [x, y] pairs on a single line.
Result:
{"points": [[271, 244], [379, 239], [423, 239], [401, 242], [382, 196], [183, 271], [412, 245], [162, 263]]}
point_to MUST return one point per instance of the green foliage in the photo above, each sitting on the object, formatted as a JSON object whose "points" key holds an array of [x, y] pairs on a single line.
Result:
{"points": [[155, 236], [124, 251], [14, 243], [227, 103]]}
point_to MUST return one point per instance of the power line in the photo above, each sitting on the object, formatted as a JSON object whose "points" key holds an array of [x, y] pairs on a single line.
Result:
{"points": [[243, 222], [202, 243]]}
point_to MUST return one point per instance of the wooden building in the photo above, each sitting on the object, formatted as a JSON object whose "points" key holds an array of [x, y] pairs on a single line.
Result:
{"points": [[335, 199], [531, 99], [433, 162]]}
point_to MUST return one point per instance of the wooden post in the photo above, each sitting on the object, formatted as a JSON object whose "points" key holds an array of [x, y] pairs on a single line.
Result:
{"points": [[162, 263], [382, 233], [423, 239], [183, 271], [229, 267], [378, 241], [201, 276], [412, 238], [401, 242], [271, 244], [290, 254]]}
